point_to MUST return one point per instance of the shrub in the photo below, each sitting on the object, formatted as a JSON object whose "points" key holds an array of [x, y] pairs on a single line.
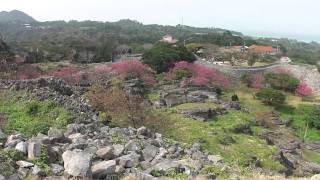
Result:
{"points": [[282, 81], [309, 113], [163, 55], [304, 90], [8, 160], [246, 79], [257, 81], [271, 97], [198, 75], [235, 98], [134, 69], [125, 109], [70, 74]]}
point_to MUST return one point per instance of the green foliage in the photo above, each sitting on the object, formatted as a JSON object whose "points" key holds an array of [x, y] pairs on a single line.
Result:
{"points": [[218, 171], [29, 116], [318, 67], [210, 133], [181, 73], [246, 79], [173, 174], [194, 47], [8, 160], [156, 173], [5, 52], [282, 81], [302, 115], [234, 97], [271, 97], [35, 57], [163, 55], [43, 161], [253, 57]]}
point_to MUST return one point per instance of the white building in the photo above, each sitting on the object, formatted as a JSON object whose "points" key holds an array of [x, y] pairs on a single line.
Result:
{"points": [[169, 39]]}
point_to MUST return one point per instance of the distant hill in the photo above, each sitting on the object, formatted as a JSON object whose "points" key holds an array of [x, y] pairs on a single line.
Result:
{"points": [[15, 16], [61, 40], [58, 40]]}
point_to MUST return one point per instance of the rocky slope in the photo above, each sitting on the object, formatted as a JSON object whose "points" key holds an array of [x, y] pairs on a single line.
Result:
{"points": [[88, 149]]}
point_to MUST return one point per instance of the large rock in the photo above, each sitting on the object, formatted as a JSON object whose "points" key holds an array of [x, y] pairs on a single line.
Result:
{"points": [[34, 149], [201, 114], [22, 147], [37, 171], [105, 153], [77, 163], [24, 164], [129, 160], [118, 149], [56, 169], [164, 166], [103, 169], [2, 177], [56, 135], [149, 152], [13, 140], [132, 146]]}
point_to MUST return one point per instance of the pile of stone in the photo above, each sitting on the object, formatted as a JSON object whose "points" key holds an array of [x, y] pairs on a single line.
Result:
{"points": [[57, 90], [173, 95], [201, 114], [97, 152]]}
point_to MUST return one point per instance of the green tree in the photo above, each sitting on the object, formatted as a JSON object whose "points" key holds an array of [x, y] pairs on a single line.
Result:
{"points": [[271, 96], [35, 57], [163, 55], [253, 57], [282, 81], [5, 53]]}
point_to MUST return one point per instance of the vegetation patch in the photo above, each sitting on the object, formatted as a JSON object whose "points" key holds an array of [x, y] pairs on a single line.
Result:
{"points": [[30, 116]]}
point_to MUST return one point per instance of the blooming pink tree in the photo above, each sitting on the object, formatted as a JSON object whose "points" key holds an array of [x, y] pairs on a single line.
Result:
{"points": [[70, 74], [304, 90], [257, 81], [198, 75], [134, 69]]}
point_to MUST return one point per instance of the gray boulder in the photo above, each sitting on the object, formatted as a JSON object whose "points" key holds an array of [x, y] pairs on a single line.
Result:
{"points": [[22, 147], [36, 171], [132, 146], [56, 169], [34, 149], [24, 164], [2, 177], [13, 140], [105, 153], [130, 160], [149, 152], [56, 135], [164, 166], [103, 169], [77, 163], [143, 131], [118, 149]]}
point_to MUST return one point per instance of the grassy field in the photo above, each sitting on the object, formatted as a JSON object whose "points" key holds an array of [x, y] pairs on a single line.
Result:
{"points": [[240, 151], [29, 116]]}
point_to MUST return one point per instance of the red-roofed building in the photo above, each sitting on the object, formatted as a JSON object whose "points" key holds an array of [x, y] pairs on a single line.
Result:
{"points": [[263, 49]]}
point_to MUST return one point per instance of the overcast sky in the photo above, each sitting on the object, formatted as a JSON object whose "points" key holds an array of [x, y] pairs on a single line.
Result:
{"points": [[250, 16]]}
